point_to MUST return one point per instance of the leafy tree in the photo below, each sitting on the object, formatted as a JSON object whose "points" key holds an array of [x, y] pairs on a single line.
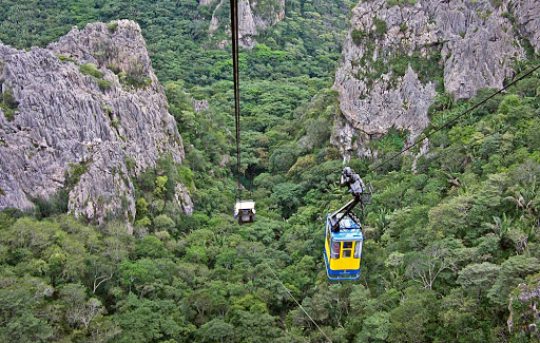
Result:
{"points": [[512, 272], [143, 320], [414, 319], [478, 277], [216, 330]]}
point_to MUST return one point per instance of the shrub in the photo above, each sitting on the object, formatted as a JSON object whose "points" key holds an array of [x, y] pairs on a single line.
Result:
{"points": [[400, 2], [91, 69], [185, 176], [380, 26], [112, 26], [9, 100], [509, 104], [143, 222], [164, 222], [358, 36], [56, 204], [104, 85], [64, 58], [8, 104], [135, 77], [73, 175]]}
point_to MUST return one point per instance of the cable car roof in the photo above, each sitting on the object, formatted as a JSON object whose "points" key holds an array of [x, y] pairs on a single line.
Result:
{"points": [[244, 205], [349, 229]]}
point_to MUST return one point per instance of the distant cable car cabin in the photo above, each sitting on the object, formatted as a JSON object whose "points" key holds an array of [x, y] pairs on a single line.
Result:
{"points": [[244, 211], [344, 237]]}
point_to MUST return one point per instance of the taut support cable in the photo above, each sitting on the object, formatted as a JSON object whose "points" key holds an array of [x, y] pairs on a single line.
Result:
{"points": [[236, 78]]}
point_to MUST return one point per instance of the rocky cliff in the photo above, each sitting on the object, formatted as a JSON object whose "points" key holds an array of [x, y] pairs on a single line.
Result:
{"points": [[254, 16], [399, 53], [524, 308], [85, 115]]}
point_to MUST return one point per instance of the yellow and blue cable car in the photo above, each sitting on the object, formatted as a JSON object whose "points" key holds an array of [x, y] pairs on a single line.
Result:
{"points": [[343, 247]]}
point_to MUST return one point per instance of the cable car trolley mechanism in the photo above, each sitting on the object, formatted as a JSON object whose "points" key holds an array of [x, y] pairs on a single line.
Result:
{"points": [[344, 237]]}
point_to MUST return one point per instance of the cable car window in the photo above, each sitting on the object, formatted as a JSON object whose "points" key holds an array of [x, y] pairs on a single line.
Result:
{"points": [[358, 250], [347, 249], [335, 250]]}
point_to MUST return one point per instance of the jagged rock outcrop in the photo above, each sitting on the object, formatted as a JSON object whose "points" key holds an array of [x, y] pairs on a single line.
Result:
{"points": [[200, 105], [527, 15], [524, 308], [90, 111], [398, 52], [253, 17]]}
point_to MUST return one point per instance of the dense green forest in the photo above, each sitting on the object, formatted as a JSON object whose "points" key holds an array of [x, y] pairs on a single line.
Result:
{"points": [[446, 245]]}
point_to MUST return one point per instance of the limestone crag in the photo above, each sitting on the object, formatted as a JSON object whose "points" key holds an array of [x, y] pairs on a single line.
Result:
{"points": [[253, 17], [395, 57], [526, 13], [89, 103], [524, 309]]}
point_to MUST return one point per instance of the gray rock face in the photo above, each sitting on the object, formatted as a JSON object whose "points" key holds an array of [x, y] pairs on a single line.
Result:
{"points": [[524, 310], [200, 105], [112, 126], [253, 17], [393, 55], [527, 13]]}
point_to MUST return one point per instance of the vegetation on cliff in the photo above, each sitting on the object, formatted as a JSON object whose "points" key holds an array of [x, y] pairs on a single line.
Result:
{"points": [[446, 245]]}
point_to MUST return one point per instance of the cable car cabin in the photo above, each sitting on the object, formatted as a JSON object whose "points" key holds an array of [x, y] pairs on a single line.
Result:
{"points": [[244, 211], [343, 247]]}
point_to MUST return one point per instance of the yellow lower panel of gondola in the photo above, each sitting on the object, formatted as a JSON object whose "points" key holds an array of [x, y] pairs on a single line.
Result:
{"points": [[345, 263], [342, 268]]}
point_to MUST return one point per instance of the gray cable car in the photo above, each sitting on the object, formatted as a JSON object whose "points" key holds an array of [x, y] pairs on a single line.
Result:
{"points": [[244, 211]]}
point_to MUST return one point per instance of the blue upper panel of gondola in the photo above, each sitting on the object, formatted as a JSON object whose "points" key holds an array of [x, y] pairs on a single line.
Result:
{"points": [[349, 230], [348, 235]]}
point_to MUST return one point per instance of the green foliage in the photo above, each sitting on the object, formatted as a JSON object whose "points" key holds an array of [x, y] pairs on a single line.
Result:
{"points": [[145, 320], [446, 246], [391, 3], [65, 58], [477, 278], [513, 271], [112, 26], [104, 85], [393, 141], [380, 26], [163, 222], [91, 70], [136, 77], [427, 68], [8, 104], [74, 174], [150, 246], [58, 202], [358, 36], [161, 184]]}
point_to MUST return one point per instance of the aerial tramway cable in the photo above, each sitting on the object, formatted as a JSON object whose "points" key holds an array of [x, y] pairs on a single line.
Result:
{"points": [[234, 38], [454, 120], [298, 303], [236, 78]]}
